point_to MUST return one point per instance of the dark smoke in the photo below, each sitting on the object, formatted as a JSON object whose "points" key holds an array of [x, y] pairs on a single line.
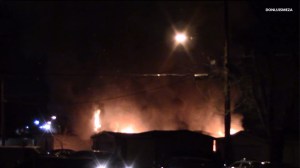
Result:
{"points": [[93, 62]]}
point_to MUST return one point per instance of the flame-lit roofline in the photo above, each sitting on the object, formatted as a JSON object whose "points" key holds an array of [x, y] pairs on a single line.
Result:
{"points": [[155, 132]]}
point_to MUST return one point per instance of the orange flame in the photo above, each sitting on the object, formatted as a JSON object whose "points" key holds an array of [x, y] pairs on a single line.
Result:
{"points": [[97, 121], [128, 130], [214, 146], [131, 123], [232, 132]]}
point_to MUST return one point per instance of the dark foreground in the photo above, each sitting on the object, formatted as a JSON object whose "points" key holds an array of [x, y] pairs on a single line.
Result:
{"points": [[16, 157]]}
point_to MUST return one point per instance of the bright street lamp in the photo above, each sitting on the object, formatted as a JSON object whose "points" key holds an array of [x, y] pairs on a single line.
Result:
{"points": [[53, 117], [180, 38]]}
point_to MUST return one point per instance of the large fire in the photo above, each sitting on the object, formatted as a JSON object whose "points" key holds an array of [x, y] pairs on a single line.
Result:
{"points": [[128, 130], [123, 128], [216, 129], [188, 105]]}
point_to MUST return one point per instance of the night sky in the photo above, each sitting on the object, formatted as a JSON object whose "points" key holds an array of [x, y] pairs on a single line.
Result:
{"points": [[57, 57]]}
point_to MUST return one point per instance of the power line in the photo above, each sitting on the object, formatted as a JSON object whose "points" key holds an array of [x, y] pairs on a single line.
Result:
{"points": [[105, 74], [132, 93], [146, 75]]}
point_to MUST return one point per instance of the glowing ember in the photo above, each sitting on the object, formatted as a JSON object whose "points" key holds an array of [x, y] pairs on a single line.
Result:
{"points": [[214, 146], [97, 121]]}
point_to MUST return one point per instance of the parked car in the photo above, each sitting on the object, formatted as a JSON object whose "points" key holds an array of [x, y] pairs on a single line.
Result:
{"points": [[100, 159], [61, 152], [244, 163], [191, 162], [82, 159], [18, 156]]}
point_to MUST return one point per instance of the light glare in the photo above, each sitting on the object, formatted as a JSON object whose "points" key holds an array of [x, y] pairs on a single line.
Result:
{"points": [[36, 122], [180, 38], [46, 127], [101, 166]]}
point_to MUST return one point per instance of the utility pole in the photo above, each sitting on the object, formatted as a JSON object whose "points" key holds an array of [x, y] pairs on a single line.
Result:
{"points": [[2, 113], [227, 116]]}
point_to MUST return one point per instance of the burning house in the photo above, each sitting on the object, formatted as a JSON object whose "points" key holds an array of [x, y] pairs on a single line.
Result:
{"points": [[156, 148]]}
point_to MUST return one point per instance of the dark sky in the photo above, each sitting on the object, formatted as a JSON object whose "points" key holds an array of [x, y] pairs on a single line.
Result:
{"points": [[55, 51]]}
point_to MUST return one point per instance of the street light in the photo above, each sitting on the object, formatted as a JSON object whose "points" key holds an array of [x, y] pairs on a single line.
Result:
{"points": [[53, 117], [180, 38], [36, 122]]}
